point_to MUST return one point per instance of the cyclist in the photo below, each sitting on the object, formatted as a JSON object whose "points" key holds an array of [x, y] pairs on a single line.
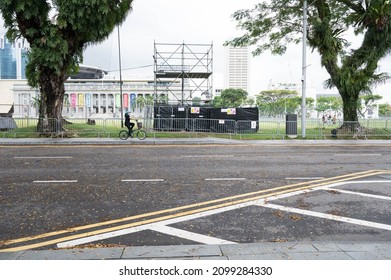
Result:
{"points": [[129, 124]]}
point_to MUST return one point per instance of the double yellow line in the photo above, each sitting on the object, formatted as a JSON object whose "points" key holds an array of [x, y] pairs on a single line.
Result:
{"points": [[171, 213]]}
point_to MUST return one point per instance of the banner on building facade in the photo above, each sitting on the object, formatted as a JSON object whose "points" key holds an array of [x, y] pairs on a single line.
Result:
{"points": [[132, 99], [117, 100], [73, 100], [81, 100], [88, 100], [126, 101]]}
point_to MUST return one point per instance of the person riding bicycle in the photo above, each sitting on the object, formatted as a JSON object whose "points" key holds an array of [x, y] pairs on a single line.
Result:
{"points": [[128, 123]]}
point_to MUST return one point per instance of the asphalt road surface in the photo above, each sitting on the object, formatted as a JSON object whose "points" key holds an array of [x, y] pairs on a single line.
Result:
{"points": [[66, 196]]}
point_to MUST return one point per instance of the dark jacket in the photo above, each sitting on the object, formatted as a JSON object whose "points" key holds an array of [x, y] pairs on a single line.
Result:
{"points": [[127, 119]]}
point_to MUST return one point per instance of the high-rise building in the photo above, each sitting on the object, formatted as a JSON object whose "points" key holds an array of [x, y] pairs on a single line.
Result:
{"points": [[13, 59], [237, 68]]}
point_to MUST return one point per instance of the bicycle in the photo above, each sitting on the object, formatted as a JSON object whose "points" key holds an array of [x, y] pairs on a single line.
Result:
{"points": [[139, 133]]}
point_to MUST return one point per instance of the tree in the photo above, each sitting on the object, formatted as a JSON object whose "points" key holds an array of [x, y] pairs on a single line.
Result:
{"points": [[325, 104], [310, 104], [216, 102], [149, 100], [35, 102], [230, 98], [58, 31], [273, 24], [274, 102], [367, 102], [140, 101], [292, 104], [384, 110], [196, 101], [163, 99], [250, 101]]}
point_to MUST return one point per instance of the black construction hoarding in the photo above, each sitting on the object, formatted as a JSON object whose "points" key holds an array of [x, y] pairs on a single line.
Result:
{"points": [[246, 119], [170, 118], [198, 118], [206, 119]]}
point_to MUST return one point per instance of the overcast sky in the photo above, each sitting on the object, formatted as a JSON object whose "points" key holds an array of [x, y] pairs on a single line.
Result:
{"points": [[203, 22], [169, 21], [191, 22]]}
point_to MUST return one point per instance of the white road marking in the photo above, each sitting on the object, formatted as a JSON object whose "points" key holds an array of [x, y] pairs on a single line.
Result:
{"points": [[45, 157], [332, 187], [304, 178], [191, 235], [142, 180], [327, 187], [225, 179], [264, 202], [327, 216], [103, 236], [152, 227], [357, 155], [362, 194], [357, 182], [205, 156], [158, 227], [56, 181]]}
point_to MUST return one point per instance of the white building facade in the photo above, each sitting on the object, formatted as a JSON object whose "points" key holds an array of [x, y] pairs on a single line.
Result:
{"points": [[237, 70], [87, 98]]}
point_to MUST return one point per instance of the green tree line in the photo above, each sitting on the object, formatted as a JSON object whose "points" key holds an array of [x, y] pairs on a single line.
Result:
{"points": [[277, 103], [273, 25]]}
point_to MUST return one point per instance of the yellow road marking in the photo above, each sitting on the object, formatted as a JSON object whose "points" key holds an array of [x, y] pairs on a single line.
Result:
{"points": [[275, 191]]}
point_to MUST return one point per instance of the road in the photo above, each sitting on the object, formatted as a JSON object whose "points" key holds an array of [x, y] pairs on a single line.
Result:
{"points": [[108, 195]]}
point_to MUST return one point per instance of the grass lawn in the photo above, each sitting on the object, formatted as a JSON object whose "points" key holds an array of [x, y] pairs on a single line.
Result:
{"points": [[267, 130]]}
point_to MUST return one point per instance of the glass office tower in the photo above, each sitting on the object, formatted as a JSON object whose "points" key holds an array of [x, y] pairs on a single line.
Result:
{"points": [[13, 59]]}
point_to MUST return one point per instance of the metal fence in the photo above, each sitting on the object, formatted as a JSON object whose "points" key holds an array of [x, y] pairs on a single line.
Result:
{"points": [[199, 127]]}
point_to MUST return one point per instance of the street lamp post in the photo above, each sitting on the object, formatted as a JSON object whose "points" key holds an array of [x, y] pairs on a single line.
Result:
{"points": [[120, 78], [304, 74]]}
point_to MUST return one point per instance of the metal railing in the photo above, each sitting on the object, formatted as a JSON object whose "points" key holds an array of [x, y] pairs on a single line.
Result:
{"points": [[199, 127]]}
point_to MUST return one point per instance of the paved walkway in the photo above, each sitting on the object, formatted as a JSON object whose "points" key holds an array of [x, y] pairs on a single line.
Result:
{"points": [[180, 141], [245, 251]]}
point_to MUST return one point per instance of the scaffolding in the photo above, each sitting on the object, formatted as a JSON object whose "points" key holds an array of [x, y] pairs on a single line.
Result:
{"points": [[183, 72]]}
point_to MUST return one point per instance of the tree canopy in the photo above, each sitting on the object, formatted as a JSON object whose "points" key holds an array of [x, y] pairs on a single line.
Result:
{"points": [[230, 98], [385, 110], [274, 24], [328, 104], [274, 103], [368, 103], [58, 31]]}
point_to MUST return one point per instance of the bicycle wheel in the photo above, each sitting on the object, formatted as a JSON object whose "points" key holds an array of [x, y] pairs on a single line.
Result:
{"points": [[123, 134], [141, 134]]}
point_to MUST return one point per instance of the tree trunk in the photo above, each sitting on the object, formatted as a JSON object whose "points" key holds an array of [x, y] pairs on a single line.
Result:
{"points": [[350, 111], [350, 107], [52, 97]]}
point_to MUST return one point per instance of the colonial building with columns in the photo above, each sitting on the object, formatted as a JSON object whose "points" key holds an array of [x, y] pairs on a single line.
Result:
{"points": [[87, 98]]}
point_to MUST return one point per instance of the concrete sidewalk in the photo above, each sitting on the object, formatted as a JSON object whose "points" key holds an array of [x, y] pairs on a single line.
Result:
{"points": [[245, 251], [182, 141], [114, 141]]}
